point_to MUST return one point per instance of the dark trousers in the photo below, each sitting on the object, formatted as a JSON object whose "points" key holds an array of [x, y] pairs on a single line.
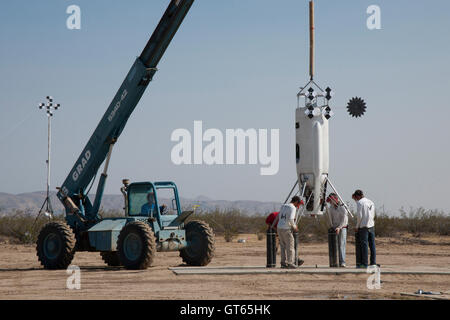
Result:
{"points": [[367, 240]]}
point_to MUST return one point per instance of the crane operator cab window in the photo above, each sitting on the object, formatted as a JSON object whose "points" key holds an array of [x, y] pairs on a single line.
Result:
{"points": [[143, 201], [167, 201]]}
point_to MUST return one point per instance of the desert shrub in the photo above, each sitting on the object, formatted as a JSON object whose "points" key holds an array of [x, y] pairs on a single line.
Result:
{"points": [[313, 229], [417, 221], [229, 235], [229, 223], [386, 226], [22, 226]]}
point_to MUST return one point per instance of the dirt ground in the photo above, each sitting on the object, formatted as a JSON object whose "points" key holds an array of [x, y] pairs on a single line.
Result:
{"points": [[21, 276]]}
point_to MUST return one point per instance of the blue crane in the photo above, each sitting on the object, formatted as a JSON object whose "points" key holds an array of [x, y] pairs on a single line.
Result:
{"points": [[149, 224]]}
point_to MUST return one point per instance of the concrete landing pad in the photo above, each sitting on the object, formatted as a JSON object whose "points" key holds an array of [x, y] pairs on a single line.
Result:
{"points": [[441, 296], [306, 270]]}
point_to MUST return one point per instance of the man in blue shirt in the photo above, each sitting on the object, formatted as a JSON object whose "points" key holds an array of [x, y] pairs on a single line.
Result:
{"points": [[149, 207]]}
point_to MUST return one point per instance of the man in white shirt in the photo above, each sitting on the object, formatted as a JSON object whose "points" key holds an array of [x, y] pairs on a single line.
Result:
{"points": [[338, 220], [286, 225], [365, 227]]}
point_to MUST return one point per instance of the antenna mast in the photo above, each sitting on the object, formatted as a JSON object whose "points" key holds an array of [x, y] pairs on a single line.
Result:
{"points": [[311, 39]]}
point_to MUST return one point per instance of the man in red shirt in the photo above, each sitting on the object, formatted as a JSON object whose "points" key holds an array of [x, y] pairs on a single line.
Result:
{"points": [[271, 218]]}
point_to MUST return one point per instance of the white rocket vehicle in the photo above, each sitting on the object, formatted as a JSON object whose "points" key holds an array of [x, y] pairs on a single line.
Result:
{"points": [[312, 138], [312, 150]]}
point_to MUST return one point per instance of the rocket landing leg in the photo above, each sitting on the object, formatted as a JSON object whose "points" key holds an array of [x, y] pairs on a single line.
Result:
{"points": [[307, 198]]}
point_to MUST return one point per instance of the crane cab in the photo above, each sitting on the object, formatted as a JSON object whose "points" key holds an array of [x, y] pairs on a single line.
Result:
{"points": [[159, 205], [157, 200]]}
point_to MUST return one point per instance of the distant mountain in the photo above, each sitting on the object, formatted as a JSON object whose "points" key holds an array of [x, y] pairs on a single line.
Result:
{"points": [[32, 202]]}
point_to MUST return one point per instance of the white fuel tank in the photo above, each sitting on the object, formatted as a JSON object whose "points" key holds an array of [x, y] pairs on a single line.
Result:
{"points": [[312, 155]]}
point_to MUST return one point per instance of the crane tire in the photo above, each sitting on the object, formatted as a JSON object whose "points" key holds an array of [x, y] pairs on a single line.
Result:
{"points": [[55, 246], [136, 245], [201, 244]]}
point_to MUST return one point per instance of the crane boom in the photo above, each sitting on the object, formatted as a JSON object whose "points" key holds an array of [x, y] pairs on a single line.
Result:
{"points": [[73, 191]]}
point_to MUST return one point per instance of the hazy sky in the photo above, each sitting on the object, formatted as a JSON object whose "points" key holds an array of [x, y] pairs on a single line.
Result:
{"points": [[232, 64]]}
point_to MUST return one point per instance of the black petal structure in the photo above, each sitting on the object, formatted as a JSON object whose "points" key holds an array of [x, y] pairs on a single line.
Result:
{"points": [[356, 107]]}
